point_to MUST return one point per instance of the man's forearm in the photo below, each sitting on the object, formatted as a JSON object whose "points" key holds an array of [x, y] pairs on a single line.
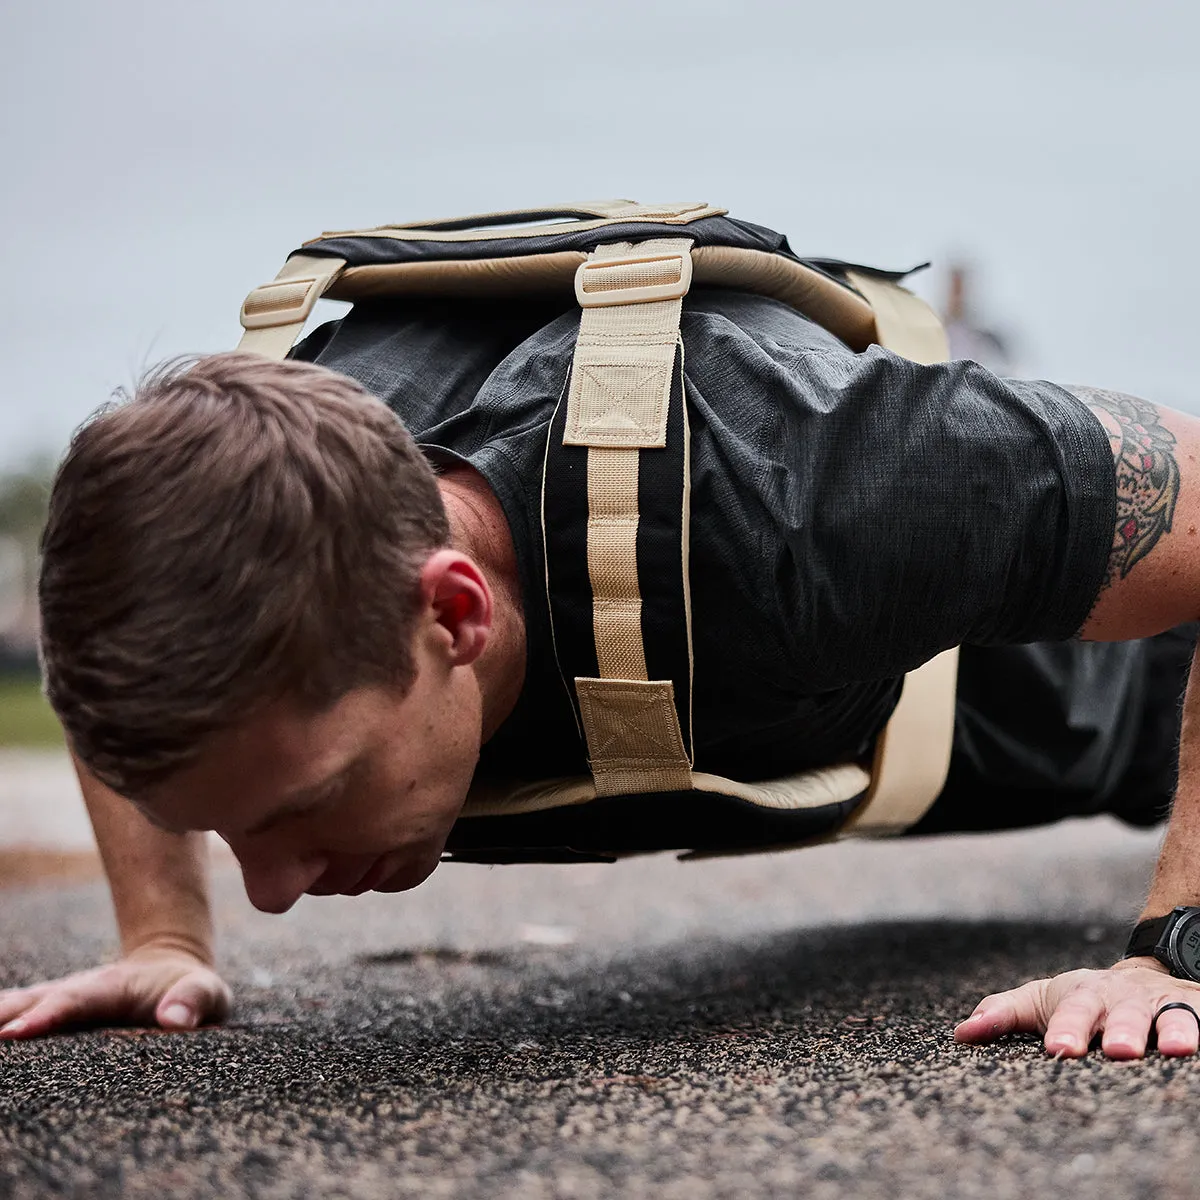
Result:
{"points": [[157, 879], [1153, 583], [1177, 875]]}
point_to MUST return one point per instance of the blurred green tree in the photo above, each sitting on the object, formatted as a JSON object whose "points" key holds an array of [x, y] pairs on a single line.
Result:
{"points": [[24, 494]]}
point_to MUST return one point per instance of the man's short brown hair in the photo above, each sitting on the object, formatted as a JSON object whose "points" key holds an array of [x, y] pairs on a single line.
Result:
{"points": [[237, 531]]}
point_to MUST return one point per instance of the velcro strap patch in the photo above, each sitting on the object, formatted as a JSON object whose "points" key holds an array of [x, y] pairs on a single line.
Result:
{"points": [[633, 736], [620, 396]]}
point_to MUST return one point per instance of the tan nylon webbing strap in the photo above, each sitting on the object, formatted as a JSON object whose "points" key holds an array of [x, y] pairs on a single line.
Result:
{"points": [[612, 562], [617, 405], [912, 755], [273, 315]]}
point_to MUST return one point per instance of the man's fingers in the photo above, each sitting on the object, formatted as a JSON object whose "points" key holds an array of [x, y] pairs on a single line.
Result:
{"points": [[198, 997], [1127, 1028], [1018, 1011], [58, 1008], [15, 1001], [1178, 1033], [1074, 1022], [173, 989], [1130, 1024], [985, 1023]]}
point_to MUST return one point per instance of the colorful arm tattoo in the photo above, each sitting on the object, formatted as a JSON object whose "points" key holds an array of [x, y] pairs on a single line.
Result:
{"points": [[1146, 472]]}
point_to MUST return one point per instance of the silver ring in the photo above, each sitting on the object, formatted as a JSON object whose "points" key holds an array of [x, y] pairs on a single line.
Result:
{"points": [[1168, 1007]]}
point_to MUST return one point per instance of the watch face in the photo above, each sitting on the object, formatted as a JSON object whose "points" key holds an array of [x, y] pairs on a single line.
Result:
{"points": [[1185, 945]]}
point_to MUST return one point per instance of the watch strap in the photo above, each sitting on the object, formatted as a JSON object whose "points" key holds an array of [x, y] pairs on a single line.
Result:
{"points": [[1144, 939]]}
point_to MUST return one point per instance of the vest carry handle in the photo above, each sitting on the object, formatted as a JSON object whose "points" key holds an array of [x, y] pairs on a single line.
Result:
{"points": [[588, 210]]}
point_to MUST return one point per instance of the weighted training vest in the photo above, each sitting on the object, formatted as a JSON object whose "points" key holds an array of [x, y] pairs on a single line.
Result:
{"points": [[616, 493]]}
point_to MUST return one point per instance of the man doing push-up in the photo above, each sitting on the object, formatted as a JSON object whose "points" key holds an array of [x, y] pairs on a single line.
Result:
{"points": [[273, 610]]}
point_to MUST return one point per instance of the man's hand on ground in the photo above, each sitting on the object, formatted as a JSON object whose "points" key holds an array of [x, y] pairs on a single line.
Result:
{"points": [[1071, 1009], [150, 986]]}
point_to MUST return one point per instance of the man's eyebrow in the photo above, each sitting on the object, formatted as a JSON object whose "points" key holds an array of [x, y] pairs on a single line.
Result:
{"points": [[273, 819]]}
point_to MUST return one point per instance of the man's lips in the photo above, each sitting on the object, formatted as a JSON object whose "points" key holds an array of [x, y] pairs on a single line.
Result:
{"points": [[393, 872], [352, 885], [374, 874]]}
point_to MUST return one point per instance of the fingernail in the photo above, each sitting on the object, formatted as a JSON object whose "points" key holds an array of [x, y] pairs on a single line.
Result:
{"points": [[13, 1026], [179, 1014], [986, 1018]]}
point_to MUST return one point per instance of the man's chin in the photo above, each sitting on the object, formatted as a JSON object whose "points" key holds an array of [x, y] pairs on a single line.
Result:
{"points": [[389, 876], [408, 877]]}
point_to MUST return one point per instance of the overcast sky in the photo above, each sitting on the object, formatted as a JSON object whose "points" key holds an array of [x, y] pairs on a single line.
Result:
{"points": [[160, 159]]}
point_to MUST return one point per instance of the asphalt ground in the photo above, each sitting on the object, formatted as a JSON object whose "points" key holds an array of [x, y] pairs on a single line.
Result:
{"points": [[765, 1026]]}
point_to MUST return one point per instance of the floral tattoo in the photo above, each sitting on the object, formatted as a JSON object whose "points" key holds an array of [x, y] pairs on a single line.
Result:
{"points": [[1147, 475]]}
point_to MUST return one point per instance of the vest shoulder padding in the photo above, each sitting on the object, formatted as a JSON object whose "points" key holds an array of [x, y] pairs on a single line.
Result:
{"points": [[470, 257]]}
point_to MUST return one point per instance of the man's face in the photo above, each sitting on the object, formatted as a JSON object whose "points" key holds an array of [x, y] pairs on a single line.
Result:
{"points": [[357, 798]]}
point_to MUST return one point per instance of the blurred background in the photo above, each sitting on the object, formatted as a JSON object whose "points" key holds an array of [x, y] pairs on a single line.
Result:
{"points": [[162, 158]]}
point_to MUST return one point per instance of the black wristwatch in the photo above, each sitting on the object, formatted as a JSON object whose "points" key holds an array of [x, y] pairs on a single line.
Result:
{"points": [[1174, 940]]}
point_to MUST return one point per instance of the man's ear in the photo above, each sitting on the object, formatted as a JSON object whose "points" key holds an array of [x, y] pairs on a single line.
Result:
{"points": [[455, 592]]}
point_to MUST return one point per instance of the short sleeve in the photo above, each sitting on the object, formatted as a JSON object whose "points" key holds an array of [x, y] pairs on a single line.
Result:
{"points": [[897, 509]]}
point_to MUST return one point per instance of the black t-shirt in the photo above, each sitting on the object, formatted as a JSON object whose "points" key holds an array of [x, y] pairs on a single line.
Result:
{"points": [[852, 514]]}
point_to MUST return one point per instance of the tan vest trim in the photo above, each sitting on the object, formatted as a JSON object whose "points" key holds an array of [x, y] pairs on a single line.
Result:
{"points": [[686, 556], [811, 789], [904, 323], [912, 754]]}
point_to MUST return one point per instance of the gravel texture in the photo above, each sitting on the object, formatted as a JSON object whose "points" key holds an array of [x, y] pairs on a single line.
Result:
{"points": [[760, 1026]]}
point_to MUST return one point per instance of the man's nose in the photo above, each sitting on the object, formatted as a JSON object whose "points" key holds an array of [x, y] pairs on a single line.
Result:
{"points": [[274, 881]]}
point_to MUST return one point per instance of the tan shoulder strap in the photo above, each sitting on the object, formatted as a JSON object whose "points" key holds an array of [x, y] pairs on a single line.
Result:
{"points": [[617, 405]]}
